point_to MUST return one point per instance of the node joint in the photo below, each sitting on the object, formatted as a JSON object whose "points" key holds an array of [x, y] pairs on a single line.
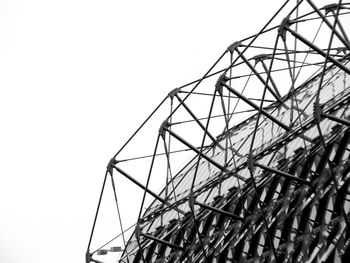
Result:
{"points": [[286, 23], [219, 83], [233, 46], [261, 57], [110, 165], [163, 127], [331, 7], [318, 110], [173, 93]]}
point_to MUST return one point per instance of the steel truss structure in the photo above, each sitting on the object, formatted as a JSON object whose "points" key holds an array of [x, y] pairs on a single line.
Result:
{"points": [[268, 179]]}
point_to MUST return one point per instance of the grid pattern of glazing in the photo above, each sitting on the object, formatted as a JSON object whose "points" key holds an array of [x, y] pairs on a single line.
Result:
{"points": [[303, 221]]}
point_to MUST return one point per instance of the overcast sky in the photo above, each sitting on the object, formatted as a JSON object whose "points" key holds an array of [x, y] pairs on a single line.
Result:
{"points": [[76, 79]]}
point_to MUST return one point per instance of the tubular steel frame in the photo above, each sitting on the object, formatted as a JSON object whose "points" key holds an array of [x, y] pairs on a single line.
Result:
{"points": [[253, 198]]}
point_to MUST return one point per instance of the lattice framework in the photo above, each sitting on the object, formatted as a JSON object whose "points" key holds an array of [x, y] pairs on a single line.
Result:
{"points": [[268, 175]]}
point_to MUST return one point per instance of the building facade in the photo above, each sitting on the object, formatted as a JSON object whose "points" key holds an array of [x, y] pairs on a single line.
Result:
{"points": [[273, 184]]}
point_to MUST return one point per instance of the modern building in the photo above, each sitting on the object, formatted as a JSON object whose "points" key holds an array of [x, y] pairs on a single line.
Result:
{"points": [[273, 183]]}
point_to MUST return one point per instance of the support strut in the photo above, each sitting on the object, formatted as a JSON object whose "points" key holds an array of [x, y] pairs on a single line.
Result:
{"points": [[214, 209], [347, 44], [195, 149], [282, 173], [336, 119], [318, 50], [196, 120], [161, 241], [253, 105], [278, 98], [146, 189]]}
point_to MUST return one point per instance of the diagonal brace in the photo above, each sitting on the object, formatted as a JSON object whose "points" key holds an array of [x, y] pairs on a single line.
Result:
{"points": [[146, 189], [220, 211], [271, 79], [347, 44], [161, 241], [179, 138], [253, 105], [336, 119], [282, 173], [196, 119], [257, 74]]}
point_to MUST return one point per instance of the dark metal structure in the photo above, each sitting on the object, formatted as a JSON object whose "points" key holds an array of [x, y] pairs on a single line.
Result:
{"points": [[268, 179]]}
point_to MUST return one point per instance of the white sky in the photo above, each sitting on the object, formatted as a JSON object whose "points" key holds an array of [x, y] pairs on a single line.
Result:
{"points": [[76, 79]]}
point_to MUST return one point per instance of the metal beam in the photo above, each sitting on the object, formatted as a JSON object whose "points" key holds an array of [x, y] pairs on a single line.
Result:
{"points": [[341, 27], [97, 211], [197, 120], [282, 173], [195, 149], [265, 113], [146, 189], [140, 185], [336, 119], [161, 241], [318, 50], [95, 260], [271, 79], [219, 211], [347, 44], [278, 98]]}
